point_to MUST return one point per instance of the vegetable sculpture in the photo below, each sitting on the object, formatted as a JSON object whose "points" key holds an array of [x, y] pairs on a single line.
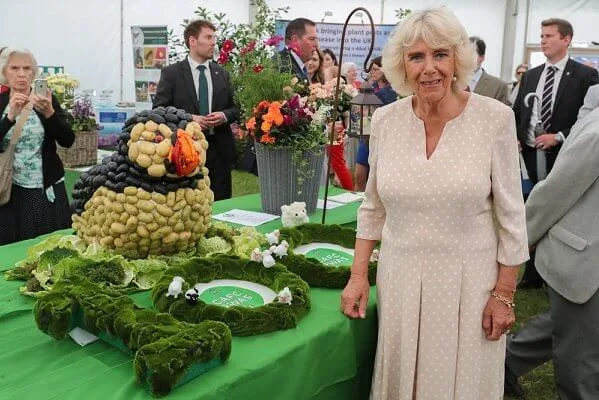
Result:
{"points": [[153, 195]]}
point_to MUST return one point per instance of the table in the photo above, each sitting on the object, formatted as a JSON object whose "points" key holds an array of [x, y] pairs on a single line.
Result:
{"points": [[326, 356]]}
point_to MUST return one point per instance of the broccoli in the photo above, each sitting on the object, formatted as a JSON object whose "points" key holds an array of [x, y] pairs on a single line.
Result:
{"points": [[33, 285], [21, 272], [111, 272]]}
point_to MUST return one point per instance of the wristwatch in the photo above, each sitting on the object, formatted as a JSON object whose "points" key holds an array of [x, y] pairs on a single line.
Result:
{"points": [[559, 137]]}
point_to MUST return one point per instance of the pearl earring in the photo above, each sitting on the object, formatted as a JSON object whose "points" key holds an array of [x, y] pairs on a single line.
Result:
{"points": [[455, 78]]}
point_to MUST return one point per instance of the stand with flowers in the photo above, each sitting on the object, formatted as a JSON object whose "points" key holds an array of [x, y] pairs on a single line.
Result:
{"points": [[80, 115]]}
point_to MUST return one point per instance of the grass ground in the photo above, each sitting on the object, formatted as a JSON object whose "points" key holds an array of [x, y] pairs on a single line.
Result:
{"points": [[538, 384]]}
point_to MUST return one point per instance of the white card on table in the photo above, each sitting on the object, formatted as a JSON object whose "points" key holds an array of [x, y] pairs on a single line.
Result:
{"points": [[349, 197], [82, 337], [246, 218], [330, 204]]}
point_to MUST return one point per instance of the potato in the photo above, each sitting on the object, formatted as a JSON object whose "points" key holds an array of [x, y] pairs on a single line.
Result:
{"points": [[171, 199], [117, 207], [164, 210], [157, 159], [174, 218], [151, 126], [160, 220], [186, 212], [132, 199], [133, 152], [180, 194], [130, 191], [205, 144], [146, 148], [179, 205], [170, 238], [145, 217], [118, 242], [165, 130], [152, 226], [158, 198], [130, 245], [106, 241], [185, 235], [144, 241], [142, 232], [149, 136], [179, 227], [121, 197], [123, 218], [131, 209], [111, 195], [195, 216], [143, 195], [118, 228], [145, 205], [136, 131], [157, 170], [105, 230], [163, 148], [189, 224]]}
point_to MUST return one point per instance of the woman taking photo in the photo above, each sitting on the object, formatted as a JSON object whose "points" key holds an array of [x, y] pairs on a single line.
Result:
{"points": [[38, 202]]}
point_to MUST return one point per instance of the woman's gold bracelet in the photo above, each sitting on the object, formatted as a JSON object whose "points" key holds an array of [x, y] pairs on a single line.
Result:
{"points": [[502, 299]]}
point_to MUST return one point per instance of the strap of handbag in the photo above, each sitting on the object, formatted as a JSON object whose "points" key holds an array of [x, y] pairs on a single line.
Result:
{"points": [[16, 135]]}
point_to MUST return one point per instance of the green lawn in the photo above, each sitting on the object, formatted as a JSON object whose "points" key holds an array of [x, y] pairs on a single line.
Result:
{"points": [[538, 384]]}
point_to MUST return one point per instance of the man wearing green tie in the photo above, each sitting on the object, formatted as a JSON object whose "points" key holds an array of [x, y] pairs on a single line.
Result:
{"points": [[203, 88]]}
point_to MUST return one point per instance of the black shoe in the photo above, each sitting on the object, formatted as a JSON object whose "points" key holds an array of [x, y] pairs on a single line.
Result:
{"points": [[511, 386], [529, 284]]}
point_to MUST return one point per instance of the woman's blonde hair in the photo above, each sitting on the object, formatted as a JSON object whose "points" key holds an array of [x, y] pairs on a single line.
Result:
{"points": [[5, 58], [438, 28]]}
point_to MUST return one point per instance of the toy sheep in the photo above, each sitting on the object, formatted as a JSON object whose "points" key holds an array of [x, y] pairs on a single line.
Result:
{"points": [[267, 259], [374, 257], [273, 237], [256, 255], [294, 214], [192, 295], [284, 296], [176, 287], [281, 249]]}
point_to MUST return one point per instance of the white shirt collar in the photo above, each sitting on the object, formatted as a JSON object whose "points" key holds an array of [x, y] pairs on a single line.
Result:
{"points": [[297, 59], [194, 64], [561, 64]]}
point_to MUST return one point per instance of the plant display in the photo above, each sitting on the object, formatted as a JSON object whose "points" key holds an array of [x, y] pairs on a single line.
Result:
{"points": [[242, 321], [166, 352], [310, 269], [153, 195], [79, 111]]}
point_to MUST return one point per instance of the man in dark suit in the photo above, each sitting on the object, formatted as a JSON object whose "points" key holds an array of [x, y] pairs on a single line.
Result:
{"points": [[300, 41], [483, 83], [559, 86], [202, 88]]}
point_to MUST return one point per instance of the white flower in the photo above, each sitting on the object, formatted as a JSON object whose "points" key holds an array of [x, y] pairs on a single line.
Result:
{"points": [[285, 296]]}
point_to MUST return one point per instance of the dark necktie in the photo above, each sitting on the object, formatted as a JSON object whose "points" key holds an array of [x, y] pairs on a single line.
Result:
{"points": [[203, 91], [546, 103], [305, 72]]}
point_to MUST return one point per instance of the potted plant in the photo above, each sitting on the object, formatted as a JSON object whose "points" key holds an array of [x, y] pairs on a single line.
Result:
{"points": [[80, 114]]}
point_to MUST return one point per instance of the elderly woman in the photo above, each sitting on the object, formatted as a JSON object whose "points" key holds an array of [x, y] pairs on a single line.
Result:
{"points": [[349, 73], [443, 164], [38, 202]]}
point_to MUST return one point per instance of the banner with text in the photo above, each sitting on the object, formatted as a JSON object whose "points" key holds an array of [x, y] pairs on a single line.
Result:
{"points": [[150, 55], [357, 39]]}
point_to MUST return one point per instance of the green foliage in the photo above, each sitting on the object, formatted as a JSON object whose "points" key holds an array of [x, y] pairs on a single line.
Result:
{"points": [[312, 270], [49, 258], [213, 245], [148, 271], [165, 349], [401, 13], [242, 321]]}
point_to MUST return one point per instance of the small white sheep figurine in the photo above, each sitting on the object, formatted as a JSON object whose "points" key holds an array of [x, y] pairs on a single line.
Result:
{"points": [[285, 296], [176, 287], [192, 295], [267, 259], [281, 249], [273, 237], [256, 255], [374, 257], [294, 214]]}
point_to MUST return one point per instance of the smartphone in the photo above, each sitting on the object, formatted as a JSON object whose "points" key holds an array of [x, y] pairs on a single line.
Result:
{"points": [[40, 87]]}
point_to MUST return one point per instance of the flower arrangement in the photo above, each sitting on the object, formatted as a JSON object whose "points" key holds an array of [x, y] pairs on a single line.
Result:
{"points": [[79, 111], [324, 93]]}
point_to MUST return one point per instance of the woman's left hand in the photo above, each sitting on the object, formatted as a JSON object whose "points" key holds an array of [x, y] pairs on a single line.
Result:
{"points": [[498, 318], [43, 104]]}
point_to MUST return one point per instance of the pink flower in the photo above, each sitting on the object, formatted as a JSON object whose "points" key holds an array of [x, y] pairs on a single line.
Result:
{"points": [[295, 46], [287, 120], [258, 68], [228, 46], [274, 40], [249, 48], [223, 57]]}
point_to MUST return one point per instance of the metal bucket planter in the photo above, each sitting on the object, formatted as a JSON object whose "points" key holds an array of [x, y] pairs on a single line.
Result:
{"points": [[278, 175]]}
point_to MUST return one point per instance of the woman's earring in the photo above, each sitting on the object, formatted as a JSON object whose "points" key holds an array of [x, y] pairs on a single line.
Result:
{"points": [[455, 78]]}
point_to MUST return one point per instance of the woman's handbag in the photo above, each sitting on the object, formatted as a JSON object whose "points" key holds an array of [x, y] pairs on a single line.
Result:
{"points": [[7, 157]]}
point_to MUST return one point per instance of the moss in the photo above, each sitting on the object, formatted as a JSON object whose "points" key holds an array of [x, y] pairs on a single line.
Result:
{"points": [[165, 349], [310, 269], [242, 321]]}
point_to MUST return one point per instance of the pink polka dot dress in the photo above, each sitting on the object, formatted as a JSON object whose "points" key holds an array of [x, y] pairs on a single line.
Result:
{"points": [[445, 224]]}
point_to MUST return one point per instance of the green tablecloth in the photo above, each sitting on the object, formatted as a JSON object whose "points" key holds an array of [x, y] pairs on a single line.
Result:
{"points": [[326, 357]]}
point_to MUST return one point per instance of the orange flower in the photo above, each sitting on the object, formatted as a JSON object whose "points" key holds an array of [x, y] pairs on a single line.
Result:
{"points": [[251, 124], [267, 139], [272, 116], [263, 104]]}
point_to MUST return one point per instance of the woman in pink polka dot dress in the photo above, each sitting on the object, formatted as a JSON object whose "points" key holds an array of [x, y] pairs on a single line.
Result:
{"points": [[444, 198]]}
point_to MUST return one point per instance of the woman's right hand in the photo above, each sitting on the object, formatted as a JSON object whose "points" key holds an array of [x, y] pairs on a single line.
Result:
{"points": [[17, 103], [354, 298]]}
